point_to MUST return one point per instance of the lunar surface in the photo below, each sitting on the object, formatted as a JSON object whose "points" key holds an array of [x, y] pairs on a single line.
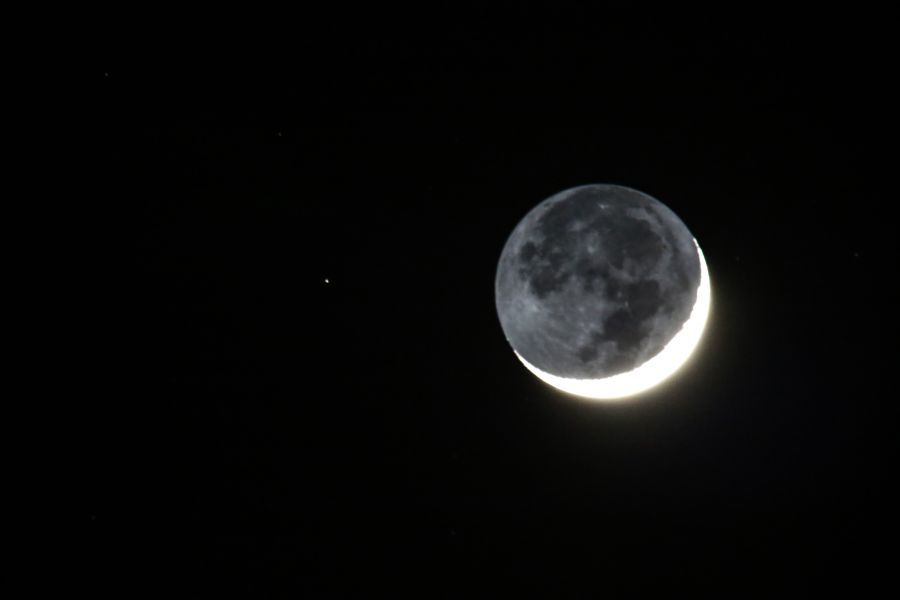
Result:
{"points": [[602, 291]]}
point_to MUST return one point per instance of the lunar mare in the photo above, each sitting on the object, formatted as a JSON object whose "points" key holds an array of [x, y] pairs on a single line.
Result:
{"points": [[602, 283], [655, 370]]}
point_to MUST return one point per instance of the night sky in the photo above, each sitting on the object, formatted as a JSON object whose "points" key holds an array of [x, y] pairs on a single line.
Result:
{"points": [[259, 431]]}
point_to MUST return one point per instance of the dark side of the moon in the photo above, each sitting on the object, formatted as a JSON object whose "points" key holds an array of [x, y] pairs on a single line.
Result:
{"points": [[596, 280]]}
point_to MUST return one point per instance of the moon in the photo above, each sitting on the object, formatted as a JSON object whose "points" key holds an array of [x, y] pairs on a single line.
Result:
{"points": [[602, 291]]}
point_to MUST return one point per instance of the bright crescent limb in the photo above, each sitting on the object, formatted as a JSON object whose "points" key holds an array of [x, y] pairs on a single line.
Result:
{"points": [[654, 370]]}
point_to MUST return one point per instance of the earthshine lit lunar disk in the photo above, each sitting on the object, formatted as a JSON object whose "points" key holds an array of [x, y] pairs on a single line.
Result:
{"points": [[602, 292], [652, 372]]}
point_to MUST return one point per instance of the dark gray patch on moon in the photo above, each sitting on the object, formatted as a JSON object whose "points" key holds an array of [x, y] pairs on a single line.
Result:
{"points": [[596, 280]]}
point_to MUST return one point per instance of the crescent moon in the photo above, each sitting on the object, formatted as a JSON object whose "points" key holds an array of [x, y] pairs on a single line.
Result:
{"points": [[653, 371]]}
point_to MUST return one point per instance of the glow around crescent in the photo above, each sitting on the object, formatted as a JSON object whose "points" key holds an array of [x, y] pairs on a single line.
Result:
{"points": [[654, 370]]}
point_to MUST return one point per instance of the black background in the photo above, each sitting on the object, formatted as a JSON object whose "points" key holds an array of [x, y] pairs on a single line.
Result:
{"points": [[262, 432]]}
